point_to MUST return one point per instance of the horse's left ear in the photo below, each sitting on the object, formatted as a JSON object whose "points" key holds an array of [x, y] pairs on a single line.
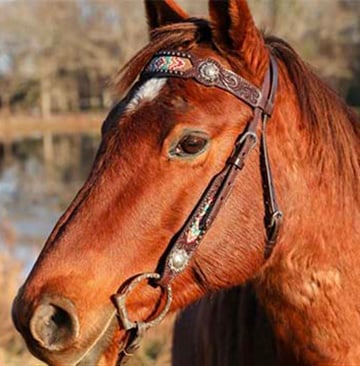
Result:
{"points": [[162, 12], [234, 30]]}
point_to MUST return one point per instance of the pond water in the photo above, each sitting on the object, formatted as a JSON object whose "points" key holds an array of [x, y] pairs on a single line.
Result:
{"points": [[33, 194]]}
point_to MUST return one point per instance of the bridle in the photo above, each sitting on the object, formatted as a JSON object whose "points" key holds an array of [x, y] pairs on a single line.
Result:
{"points": [[182, 247]]}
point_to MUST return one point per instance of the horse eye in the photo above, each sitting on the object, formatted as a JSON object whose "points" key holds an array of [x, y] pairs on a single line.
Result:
{"points": [[191, 145]]}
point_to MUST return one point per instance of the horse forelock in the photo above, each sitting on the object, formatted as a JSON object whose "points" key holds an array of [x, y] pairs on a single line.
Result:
{"points": [[173, 36]]}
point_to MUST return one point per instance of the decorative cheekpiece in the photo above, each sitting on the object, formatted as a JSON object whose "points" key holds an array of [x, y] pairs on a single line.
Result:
{"points": [[178, 260], [179, 257], [196, 229]]}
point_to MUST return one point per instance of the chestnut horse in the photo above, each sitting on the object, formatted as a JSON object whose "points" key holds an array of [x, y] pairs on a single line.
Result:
{"points": [[161, 146]]}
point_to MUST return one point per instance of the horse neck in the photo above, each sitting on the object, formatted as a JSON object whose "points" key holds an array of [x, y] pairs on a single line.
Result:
{"points": [[309, 287]]}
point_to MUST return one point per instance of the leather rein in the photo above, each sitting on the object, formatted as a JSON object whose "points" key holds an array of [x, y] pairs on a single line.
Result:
{"points": [[182, 247]]}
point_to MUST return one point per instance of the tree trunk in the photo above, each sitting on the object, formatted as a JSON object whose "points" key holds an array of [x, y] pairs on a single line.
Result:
{"points": [[45, 96], [5, 104]]}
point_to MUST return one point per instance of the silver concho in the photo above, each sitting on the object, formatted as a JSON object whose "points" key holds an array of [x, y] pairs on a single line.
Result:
{"points": [[209, 71], [178, 260]]}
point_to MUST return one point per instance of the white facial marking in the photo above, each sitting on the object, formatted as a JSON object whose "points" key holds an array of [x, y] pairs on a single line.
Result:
{"points": [[146, 93]]}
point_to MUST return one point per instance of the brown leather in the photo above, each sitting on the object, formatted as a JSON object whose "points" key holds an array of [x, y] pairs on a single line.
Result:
{"points": [[273, 216], [131, 345], [226, 79]]}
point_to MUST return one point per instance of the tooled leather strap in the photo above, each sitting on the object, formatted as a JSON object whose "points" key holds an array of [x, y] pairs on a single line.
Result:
{"points": [[210, 73], [273, 216]]}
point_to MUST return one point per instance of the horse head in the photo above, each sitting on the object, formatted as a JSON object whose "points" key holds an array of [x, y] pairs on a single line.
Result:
{"points": [[161, 147]]}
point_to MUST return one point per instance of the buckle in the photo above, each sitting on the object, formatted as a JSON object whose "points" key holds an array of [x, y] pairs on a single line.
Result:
{"points": [[242, 149], [274, 226]]}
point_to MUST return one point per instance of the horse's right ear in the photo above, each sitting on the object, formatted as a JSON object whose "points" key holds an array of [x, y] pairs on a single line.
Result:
{"points": [[234, 30], [162, 12]]}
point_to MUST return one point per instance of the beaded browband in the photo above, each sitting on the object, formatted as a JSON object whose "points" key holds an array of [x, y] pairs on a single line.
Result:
{"points": [[207, 72]]}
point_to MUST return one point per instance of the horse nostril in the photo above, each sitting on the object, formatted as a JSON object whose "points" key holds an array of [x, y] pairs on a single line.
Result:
{"points": [[54, 324]]}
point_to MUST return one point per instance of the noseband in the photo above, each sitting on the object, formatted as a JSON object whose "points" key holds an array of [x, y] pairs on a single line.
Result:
{"points": [[182, 247]]}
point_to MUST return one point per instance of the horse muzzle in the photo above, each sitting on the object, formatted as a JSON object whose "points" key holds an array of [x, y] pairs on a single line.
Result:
{"points": [[52, 324]]}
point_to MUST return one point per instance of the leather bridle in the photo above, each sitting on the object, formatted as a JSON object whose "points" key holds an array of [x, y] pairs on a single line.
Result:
{"points": [[182, 247]]}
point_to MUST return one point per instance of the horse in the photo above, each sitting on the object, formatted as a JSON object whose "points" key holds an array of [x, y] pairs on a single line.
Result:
{"points": [[164, 218]]}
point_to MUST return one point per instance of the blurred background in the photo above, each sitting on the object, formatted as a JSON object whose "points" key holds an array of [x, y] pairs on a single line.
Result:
{"points": [[57, 58]]}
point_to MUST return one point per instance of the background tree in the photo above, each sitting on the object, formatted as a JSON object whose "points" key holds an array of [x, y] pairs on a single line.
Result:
{"points": [[58, 55]]}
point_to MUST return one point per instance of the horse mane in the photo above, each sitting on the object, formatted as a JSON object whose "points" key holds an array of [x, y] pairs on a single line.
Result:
{"points": [[329, 121]]}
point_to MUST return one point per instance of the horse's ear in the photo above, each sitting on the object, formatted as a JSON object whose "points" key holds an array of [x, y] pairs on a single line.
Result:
{"points": [[162, 12], [234, 30]]}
